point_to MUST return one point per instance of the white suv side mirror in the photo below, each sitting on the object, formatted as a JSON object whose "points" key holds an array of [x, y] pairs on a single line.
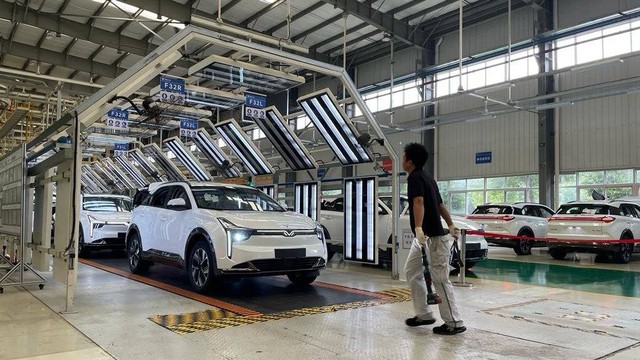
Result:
{"points": [[179, 202]]}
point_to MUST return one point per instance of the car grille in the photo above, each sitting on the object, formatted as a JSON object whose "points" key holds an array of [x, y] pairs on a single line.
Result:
{"points": [[281, 264]]}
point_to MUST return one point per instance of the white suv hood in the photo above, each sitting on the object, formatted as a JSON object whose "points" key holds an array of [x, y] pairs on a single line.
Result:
{"points": [[268, 220], [110, 216]]}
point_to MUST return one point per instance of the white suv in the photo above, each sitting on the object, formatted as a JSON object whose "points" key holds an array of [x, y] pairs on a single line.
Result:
{"points": [[594, 222], [213, 230], [332, 220], [104, 220], [523, 219]]}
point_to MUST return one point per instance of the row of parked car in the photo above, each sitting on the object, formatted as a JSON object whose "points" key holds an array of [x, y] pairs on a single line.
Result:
{"points": [[212, 230], [585, 226]]}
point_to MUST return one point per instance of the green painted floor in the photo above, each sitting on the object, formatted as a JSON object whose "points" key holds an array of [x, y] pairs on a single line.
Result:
{"points": [[602, 281]]}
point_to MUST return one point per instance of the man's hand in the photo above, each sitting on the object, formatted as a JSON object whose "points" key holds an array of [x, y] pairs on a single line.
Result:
{"points": [[454, 231], [420, 236]]}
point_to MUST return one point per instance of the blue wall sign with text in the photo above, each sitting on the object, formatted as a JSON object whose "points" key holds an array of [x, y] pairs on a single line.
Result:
{"points": [[483, 157], [172, 85], [255, 100], [117, 118]]}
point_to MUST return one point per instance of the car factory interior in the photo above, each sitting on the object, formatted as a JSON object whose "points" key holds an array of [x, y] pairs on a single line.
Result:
{"points": [[228, 179]]}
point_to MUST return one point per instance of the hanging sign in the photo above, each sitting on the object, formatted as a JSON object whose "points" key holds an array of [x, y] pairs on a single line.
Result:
{"points": [[188, 127], [120, 149], [117, 119], [254, 105], [172, 90]]}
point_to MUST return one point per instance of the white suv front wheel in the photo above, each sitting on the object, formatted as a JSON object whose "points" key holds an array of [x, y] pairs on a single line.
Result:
{"points": [[201, 267]]}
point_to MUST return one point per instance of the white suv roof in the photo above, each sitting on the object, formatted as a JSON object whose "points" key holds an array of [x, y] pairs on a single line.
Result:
{"points": [[154, 186]]}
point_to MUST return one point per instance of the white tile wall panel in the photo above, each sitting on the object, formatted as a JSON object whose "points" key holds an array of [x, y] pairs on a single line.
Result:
{"points": [[488, 35], [575, 12], [379, 70], [512, 139]]}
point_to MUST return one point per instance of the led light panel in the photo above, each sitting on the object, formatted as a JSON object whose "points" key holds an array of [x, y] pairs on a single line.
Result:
{"points": [[119, 174], [231, 74], [172, 171], [360, 212], [239, 142], [146, 165], [269, 190], [285, 140], [187, 159], [105, 180], [305, 197], [212, 151], [132, 171], [89, 186], [336, 128]]}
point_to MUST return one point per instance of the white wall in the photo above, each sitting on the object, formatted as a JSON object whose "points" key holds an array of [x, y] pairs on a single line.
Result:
{"points": [[575, 12], [405, 62], [601, 133]]}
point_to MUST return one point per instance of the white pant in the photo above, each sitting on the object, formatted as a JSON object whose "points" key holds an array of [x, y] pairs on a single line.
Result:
{"points": [[438, 254]]}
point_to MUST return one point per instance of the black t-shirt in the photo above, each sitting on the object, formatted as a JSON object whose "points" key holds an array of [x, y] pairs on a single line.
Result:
{"points": [[421, 184]]}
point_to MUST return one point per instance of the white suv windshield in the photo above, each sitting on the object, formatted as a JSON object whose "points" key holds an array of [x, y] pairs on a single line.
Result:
{"points": [[388, 200], [231, 198], [106, 204]]}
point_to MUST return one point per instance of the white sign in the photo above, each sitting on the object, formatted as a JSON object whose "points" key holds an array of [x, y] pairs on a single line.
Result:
{"points": [[250, 112], [171, 97], [407, 238]]}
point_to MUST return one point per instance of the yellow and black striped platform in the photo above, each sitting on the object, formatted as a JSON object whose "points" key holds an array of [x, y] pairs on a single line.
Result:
{"points": [[218, 318]]}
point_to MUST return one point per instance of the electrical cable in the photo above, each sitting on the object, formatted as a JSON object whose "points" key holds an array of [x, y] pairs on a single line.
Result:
{"points": [[74, 223]]}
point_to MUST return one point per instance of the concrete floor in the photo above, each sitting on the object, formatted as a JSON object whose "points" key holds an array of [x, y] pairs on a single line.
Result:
{"points": [[505, 320]]}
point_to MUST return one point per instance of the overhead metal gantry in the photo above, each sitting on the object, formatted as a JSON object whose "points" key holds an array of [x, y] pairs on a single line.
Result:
{"points": [[324, 108]]}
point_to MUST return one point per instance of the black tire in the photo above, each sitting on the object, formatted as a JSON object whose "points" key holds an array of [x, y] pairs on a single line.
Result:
{"points": [[523, 247], [558, 253], [623, 256], [83, 251], [301, 278], [137, 264], [201, 267]]}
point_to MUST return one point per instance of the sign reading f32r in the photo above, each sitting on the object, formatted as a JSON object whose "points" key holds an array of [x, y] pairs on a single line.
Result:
{"points": [[117, 118], [172, 90]]}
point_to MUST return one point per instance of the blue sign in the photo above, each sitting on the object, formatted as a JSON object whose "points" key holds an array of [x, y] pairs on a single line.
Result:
{"points": [[255, 100], [321, 173], [483, 157], [188, 127], [120, 149], [117, 118], [172, 85], [117, 113]]}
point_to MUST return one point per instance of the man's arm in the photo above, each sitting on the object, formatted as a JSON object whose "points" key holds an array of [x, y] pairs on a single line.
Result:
{"points": [[418, 211], [453, 230]]}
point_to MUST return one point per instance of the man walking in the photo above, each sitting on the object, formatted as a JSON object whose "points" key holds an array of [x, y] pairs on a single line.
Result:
{"points": [[425, 209]]}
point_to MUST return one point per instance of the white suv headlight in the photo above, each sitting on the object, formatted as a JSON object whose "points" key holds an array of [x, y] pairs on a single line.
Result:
{"points": [[320, 232], [235, 234]]}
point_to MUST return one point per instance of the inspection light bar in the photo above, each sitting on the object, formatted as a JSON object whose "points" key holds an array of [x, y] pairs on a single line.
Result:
{"points": [[239, 142], [212, 151], [89, 186], [172, 171], [146, 165], [334, 125], [305, 197], [187, 159], [95, 172], [285, 140], [231, 74], [132, 171], [270, 190], [360, 210], [119, 174]]}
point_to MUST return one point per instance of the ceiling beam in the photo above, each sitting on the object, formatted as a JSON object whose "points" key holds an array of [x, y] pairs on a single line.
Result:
{"points": [[74, 29], [59, 59], [260, 13], [295, 17], [384, 22]]}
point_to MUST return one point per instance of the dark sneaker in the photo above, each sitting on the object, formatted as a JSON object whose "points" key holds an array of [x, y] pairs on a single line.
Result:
{"points": [[445, 329], [416, 321]]}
